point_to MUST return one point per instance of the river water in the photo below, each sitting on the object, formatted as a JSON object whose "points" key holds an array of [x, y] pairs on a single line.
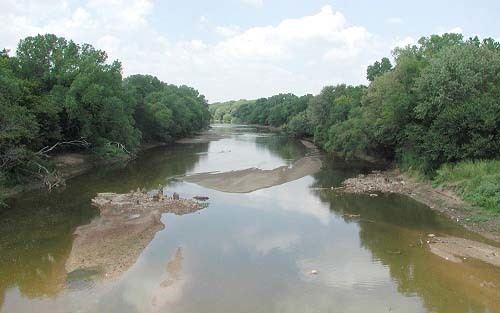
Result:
{"points": [[245, 252]]}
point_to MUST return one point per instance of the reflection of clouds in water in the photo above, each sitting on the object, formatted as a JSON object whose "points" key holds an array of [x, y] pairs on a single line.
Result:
{"points": [[316, 298], [83, 300], [292, 196], [344, 266], [346, 280], [264, 242], [170, 290], [159, 292], [235, 154]]}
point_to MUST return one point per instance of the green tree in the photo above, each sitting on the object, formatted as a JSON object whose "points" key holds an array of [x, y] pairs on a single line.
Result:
{"points": [[458, 113], [378, 69]]}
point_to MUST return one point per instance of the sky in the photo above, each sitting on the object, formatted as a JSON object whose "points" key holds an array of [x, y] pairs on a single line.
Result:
{"points": [[246, 49]]}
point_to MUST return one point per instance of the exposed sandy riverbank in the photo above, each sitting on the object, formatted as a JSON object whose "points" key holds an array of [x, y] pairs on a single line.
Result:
{"points": [[112, 243], [458, 250], [252, 179]]}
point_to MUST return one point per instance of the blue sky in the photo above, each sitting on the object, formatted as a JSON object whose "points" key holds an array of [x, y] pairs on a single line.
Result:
{"points": [[232, 49]]}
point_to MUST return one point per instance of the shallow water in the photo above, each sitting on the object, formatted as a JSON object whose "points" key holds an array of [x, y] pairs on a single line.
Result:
{"points": [[249, 252]]}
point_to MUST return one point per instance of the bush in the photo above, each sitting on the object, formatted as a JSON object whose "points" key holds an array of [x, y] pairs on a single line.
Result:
{"points": [[110, 150], [299, 125], [475, 181]]}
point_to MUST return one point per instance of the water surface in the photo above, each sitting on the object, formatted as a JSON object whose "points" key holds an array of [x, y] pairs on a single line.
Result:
{"points": [[250, 252]]}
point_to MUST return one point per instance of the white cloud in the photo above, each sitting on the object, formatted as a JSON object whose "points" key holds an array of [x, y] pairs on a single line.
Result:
{"points": [[227, 31], [298, 55], [394, 20], [203, 20], [453, 30], [255, 3], [198, 45], [401, 43], [456, 30], [327, 29]]}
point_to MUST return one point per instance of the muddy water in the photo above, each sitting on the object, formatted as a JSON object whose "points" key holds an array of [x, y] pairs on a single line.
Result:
{"points": [[245, 252]]}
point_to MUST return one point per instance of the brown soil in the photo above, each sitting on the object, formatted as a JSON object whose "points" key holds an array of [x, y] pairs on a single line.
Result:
{"points": [[127, 224], [445, 201]]}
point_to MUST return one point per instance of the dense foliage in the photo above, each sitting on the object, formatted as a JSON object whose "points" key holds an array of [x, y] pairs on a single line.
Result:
{"points": [[224, 112], [439, 103], [56, 92], [165, 112], [475, 181]]}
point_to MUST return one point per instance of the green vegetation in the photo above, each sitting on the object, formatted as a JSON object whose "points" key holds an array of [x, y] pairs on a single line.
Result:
{"points": [[475, 181], [438, 104], [56, 95], [223, 112]]}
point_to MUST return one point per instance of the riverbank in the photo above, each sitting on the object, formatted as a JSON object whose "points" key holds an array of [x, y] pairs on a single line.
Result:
{"points": [[440, 199], [69, 165], [72, 164]]}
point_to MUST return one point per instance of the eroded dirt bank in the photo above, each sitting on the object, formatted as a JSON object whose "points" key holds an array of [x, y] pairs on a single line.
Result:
{"points": [[252, 179], [112, 243], [445, 201]]}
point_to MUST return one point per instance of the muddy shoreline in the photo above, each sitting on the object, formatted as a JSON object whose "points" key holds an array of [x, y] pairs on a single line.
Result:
{"points": [[442, 200]]}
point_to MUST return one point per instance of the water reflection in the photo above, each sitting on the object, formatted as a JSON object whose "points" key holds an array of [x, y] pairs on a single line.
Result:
{"points": [[392, 227], [36, 230], [246, 252]]}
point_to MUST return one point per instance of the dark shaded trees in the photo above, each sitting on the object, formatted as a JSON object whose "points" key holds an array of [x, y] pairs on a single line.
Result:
{"points": [[54, 90]]}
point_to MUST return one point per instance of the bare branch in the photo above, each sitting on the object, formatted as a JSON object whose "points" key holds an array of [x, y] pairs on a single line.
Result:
{"points": [[51, 179], [80, 142], [120, 146]]}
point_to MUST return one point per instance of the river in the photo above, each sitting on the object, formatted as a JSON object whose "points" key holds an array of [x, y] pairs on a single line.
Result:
{"points": [[295, 247]]}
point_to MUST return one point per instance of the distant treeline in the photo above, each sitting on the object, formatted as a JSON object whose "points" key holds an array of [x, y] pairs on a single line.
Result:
{"points": [[56, 95], [439, 103]]}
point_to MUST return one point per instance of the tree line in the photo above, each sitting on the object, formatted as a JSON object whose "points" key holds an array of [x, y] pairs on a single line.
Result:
{"points": [[57, 95], [439, 103]]}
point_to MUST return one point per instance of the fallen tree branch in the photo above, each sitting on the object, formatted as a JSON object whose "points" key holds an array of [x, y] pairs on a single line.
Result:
{"points": [[79, 142], [51, 179]]}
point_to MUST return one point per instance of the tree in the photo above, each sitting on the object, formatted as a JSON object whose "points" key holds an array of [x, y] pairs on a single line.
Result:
{"points": [[299, 125], [458, 113], [378, 69], [55, 91]]}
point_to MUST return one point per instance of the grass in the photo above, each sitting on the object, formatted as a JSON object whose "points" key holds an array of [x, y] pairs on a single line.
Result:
{"points": [[477, 182]]}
